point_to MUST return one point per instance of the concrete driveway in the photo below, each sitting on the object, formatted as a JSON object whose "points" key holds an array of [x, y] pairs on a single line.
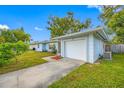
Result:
{"points": [[39, 76]]}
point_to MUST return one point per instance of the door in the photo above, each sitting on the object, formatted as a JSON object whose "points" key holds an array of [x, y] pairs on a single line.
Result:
{"points": [[76, 49]]}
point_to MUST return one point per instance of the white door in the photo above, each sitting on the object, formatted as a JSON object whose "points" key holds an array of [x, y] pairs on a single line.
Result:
{"points": [[76, 49]]}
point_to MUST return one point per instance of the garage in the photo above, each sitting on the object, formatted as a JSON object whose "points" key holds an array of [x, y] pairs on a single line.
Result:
{"points": [[76, 49], [83, 45]]}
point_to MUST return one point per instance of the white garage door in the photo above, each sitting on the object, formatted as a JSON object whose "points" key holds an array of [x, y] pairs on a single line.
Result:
{"points": [[76, 49]]}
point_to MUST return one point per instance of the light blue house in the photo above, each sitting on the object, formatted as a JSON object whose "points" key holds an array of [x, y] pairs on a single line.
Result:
{"points": [[86, 45], [44, 46]]}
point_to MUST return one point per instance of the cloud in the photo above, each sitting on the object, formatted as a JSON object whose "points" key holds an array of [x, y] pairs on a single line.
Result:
{"points": [[38, 28], [95, 6], [4, 26]]}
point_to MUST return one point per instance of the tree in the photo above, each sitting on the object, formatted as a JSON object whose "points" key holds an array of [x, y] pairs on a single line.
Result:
{"points": [[108, 11], [19, 48], [2, 39], [6, 52], [65, 25], [117, 25], [10, 50], [14, 35], [8, 36], [21, 35], [12, 43], [113, 18], [87, 23]]}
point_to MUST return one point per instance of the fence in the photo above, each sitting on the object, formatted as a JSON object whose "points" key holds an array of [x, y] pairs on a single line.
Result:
{"points": [[119, 48]]}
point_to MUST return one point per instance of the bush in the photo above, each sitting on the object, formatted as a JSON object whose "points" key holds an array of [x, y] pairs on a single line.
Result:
{"points": [[10, 50], [20, 47], [6, 53]]}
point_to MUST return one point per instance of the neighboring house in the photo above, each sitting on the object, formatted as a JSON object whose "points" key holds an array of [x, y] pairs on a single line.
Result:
{"points": [[85, 45], [36, 47], [43, 46]]}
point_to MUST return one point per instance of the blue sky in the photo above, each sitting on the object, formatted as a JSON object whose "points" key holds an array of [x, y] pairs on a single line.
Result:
{"points": [[34, 18]]}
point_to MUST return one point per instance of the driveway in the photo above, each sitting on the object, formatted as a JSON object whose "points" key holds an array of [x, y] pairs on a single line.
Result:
{"points": [[41, 75]]}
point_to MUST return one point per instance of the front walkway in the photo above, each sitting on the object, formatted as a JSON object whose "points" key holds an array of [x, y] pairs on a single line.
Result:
{"points": [[39, 76]]}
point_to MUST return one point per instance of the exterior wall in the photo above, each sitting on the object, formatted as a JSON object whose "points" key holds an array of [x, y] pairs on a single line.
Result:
{"points": [[98, 48], [47, 46], [39, 48], [90, 41], [33, 46], [62, 48], [36, 46], [43, 47]]}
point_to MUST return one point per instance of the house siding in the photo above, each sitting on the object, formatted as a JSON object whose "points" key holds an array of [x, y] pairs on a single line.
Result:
{"points": [[98, 48], [62, 48], [45, 47], [36, 46], [39, 47], [90, 48], [33, 46]]}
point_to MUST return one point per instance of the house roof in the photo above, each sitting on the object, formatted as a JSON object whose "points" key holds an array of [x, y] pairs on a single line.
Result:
{"points": [[42, 42], [99, 30], [39, 42]]}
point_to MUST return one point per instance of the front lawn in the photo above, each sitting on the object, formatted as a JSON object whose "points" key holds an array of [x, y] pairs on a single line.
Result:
{"points": [[107, 74], [25, 60]]}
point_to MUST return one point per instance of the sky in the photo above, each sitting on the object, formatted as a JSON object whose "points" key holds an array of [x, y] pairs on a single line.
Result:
{"points": [[34, 18]]}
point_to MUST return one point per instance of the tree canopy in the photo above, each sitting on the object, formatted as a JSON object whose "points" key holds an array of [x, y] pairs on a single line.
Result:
{"points": [[13, 36], [65, 25], [12, 43], [113, 18]]}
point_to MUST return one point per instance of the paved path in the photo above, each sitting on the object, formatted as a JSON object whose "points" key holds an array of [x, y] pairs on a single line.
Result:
{"points": [[39, 76]]}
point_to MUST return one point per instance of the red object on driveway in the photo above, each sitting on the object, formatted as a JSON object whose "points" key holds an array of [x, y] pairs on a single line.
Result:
{"points": [[57, 57]]}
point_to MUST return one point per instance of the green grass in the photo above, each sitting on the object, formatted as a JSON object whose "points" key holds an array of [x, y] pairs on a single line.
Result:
{"points": [[27, 59], [107, 74]]}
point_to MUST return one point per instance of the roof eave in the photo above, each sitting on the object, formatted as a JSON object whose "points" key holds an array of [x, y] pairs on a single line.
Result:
{"points": [[78, 33]]}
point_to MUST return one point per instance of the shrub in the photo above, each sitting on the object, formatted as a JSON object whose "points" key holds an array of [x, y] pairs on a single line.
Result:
{"points": [[20, 47], [10, 50], [6, 52]]}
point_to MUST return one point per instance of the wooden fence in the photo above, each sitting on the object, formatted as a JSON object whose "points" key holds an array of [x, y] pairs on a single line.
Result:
{"points": [[119, 48]]}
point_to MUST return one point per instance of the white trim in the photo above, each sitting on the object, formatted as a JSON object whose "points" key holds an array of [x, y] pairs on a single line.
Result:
{"points": [[87, 40], [75, 39]]}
